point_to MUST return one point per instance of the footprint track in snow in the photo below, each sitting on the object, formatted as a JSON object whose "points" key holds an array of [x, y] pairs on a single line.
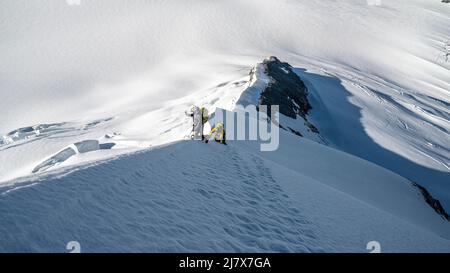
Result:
{"points": [[190, 197], [266, 204]]}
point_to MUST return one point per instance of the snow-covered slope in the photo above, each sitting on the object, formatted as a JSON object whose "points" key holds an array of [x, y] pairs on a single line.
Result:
{"points": [[63, 63], [339, 104], [190, 196], [113, 77]]}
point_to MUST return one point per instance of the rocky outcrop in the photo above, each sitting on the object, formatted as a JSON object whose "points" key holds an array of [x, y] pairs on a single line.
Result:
{"points": [[285, 89], [274, 82], [434, 203]]}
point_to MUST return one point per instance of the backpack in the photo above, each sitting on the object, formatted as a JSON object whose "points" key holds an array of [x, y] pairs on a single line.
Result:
{"points": [[204, 115]]}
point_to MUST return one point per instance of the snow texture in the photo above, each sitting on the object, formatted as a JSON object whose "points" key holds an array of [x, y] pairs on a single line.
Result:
{"points": [[240, 201], [92, 126]]}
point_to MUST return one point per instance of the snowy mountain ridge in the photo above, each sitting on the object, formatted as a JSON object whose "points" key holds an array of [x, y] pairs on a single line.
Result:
{"points": [[300, 171], [364, 102], [244, 200], [273, 82], [259, 93]]}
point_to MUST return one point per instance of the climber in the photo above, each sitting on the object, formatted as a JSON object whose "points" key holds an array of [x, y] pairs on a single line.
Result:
{"points": [[218, 133], [199, 118]]}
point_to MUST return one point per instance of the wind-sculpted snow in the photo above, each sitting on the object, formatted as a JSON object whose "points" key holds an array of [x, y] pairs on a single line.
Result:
{"points": [[27, 134], [84, 146], [62, 63], [163, 200], [378, 85], [56, 159], [31, 132], [402, 130], [190, 196]]}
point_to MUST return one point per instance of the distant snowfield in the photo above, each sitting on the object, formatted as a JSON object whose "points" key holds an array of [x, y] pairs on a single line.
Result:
{"points": [[123, 72], [104, 56]]}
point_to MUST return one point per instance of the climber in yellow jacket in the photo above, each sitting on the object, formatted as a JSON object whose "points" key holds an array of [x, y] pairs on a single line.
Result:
{"points": [[218, 133]]}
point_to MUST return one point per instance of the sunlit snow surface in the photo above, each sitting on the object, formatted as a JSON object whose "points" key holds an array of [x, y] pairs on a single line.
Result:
{"points": [[123, 72]]}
